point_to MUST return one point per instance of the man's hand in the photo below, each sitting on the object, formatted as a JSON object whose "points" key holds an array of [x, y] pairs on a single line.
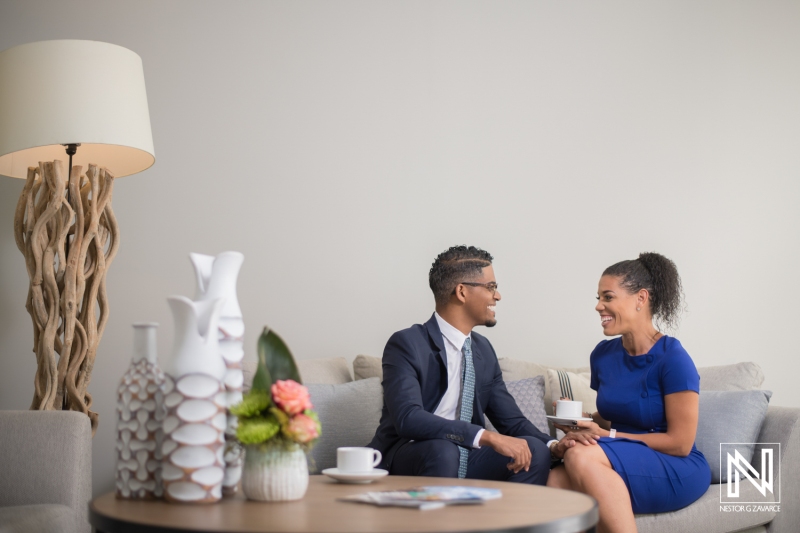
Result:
{"points": [[516, 449], [572, 439]]}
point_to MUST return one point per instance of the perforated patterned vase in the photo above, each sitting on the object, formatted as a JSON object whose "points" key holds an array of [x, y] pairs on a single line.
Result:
{"points": [[194, 428], [140, 413], [216, 278]]}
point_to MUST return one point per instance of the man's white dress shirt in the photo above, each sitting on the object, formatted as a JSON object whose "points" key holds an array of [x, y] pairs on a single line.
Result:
{"points": [[453, 343]]}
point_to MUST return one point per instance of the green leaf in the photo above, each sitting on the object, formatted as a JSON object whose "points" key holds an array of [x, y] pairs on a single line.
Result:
{"points": [[262, 381], [276, 358], [252, 404], [257, 430]]}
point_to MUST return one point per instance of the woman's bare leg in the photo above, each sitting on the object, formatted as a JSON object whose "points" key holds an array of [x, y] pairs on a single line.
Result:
{"points": [[590, 472], [559, 479]]}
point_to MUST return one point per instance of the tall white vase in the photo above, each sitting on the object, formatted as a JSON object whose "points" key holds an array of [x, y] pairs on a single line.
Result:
{"points": [[216, 278], [140, 415], [194, 429]]}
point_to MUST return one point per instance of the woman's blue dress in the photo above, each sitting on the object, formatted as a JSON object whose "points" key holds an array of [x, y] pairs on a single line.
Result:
{"points": [[630, 393]]}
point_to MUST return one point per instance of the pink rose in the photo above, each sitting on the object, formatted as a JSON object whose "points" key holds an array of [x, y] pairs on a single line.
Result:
{"points": [[291, 397], [301, 429]]}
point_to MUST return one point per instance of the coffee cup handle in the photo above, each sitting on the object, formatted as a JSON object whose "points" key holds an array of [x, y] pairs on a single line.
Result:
{"points": [[377, 458]]}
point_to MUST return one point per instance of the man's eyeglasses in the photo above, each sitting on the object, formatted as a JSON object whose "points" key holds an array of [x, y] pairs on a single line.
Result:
{"points": [[491, 286]]}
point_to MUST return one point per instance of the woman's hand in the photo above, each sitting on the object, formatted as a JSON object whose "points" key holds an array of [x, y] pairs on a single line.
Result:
{"points": [[583, 427], [572, 439]]}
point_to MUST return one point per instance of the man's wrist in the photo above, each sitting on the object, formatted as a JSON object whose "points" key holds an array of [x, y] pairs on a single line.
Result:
{"points": [[476, 442], [553, 446]]}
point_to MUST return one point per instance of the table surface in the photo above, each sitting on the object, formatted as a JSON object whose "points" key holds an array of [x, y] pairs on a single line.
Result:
{"points": [[523, 508]]}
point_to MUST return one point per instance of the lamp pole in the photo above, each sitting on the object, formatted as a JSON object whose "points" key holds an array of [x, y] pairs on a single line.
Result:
{"points": [[72, 149]]}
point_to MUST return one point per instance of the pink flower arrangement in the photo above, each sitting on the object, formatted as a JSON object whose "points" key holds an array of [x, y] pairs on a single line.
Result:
{"points": [[301, 429], [291, 397]]}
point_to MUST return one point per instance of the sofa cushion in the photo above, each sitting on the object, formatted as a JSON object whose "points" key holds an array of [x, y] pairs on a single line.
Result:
{"points": [[705, 515], [349, 414], [330, 370], [729, 417], [738, 376], [367, 366], [529, 395], [41, 518], [514, 369]]}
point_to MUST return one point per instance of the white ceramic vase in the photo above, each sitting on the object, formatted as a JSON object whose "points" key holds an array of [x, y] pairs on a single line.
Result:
{"points": [[216, 278], [194, 428], [273, 473], [140, 414]]}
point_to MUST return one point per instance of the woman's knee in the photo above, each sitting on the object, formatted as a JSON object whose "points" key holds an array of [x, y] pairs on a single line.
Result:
{"points": [[581, 457]]}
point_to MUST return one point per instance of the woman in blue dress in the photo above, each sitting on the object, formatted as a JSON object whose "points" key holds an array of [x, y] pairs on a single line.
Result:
{"points": [[647, 403]]}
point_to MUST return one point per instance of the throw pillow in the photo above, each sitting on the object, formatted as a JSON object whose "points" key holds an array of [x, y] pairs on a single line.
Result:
{"points": [[349, 414], [739, 376], [366, 366], [529, 395], [514, 369], [732, 417], [572, 385]]}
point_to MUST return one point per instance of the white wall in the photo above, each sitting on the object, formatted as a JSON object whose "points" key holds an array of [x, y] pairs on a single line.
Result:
{"points": [[342, 145]]}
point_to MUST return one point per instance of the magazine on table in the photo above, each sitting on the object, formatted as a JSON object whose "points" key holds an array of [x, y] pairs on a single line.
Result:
{"points": [[425, 498]]}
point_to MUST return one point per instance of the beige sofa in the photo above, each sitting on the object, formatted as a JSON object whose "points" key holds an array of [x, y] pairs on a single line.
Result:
{"points": [[349, 406], [45, 471]]}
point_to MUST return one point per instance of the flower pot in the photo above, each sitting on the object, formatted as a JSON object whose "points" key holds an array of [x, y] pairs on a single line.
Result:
{"points": [[274, 472]]}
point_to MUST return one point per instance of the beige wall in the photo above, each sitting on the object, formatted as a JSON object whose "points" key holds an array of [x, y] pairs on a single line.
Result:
{"points": [[341, 145]]}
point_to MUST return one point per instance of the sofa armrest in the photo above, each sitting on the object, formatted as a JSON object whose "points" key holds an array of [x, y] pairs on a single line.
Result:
{"points": [[782, 424], [46, 458]]}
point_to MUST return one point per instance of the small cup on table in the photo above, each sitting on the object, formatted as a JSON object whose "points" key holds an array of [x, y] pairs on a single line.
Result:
{"points": [[354, 460]]}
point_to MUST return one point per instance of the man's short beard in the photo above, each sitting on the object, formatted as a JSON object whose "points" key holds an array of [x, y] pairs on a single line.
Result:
{"points": [[492, 322]]}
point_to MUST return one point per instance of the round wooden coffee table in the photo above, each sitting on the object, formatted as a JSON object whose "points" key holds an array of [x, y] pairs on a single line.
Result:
{"points": [[522, 509]]}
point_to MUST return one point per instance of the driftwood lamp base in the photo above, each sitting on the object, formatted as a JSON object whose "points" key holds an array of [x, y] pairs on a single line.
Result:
{"points": [[69, 242]]}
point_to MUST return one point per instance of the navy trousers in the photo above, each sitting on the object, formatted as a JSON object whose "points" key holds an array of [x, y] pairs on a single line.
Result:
{"points": [[439, 458]]}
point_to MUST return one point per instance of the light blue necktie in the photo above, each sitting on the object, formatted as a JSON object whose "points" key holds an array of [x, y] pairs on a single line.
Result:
{"points": [[467, 398]]}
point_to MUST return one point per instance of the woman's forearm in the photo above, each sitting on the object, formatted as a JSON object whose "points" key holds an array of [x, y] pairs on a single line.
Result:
{"points": [[600, 421], [662, 442]]}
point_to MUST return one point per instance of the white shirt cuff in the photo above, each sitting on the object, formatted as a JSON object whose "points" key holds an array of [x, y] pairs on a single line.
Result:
{"points": [[475, 443], [551, 442]]}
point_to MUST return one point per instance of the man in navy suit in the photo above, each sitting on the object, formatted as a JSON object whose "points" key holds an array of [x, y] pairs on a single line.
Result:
{"points": [[426, 428]]}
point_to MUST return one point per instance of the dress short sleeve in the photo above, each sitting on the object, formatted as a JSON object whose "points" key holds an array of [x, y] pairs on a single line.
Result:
{"points": [[678, 372], [594, 382]]}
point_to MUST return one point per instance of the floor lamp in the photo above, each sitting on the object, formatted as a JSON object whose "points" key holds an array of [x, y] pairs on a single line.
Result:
{"points": [[85, 100]]}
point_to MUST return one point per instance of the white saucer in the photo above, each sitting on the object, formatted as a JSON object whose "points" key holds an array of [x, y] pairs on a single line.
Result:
{"points": [[367, 477], [566, 421]]}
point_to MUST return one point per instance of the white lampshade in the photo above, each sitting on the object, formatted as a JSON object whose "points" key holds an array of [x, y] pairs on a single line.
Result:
{"points": [[62, 92]]}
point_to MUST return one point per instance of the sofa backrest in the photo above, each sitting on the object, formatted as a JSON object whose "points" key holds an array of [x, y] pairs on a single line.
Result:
{"points": [[328, 370], [349, 414], [738, 376]]}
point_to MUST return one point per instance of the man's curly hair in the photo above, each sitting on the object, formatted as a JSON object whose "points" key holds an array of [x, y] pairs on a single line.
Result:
{"points": [[458, 264]]}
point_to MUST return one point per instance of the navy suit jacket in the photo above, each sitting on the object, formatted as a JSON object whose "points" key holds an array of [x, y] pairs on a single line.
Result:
{"points": [[414, 381]]}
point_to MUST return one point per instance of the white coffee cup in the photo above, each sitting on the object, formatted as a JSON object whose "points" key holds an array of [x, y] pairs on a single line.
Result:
{"points": [[569, 409], [357, 460]]}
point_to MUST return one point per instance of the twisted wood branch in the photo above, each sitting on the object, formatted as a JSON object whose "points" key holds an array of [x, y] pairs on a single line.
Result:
{"points": [[67, 297]]}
